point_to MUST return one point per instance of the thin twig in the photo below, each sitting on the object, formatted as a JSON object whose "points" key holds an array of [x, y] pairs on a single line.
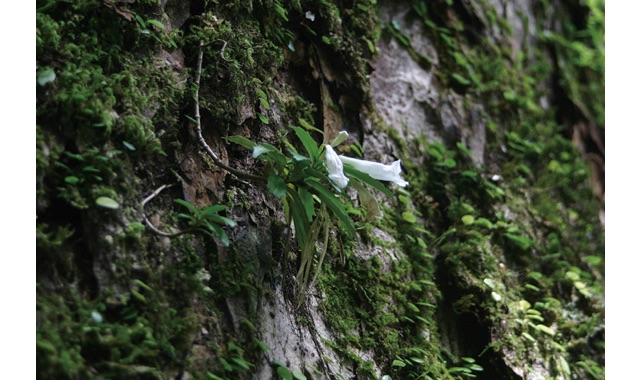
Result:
{"points": [[224, 46], [204, 144], [148, 222]]}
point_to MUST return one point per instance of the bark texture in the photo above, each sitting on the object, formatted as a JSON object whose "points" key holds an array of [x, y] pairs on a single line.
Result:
{"points": [[490, 264]]}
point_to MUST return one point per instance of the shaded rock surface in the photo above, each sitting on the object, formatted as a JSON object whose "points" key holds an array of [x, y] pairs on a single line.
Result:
{"points": [[490, 263]]}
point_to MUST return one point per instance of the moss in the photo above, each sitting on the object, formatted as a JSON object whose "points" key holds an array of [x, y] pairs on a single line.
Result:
{"points": [[525, 220], [468, 249], [116, 337], [378, 310]]}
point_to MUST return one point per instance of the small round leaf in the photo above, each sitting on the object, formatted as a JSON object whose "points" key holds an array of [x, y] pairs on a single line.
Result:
{"points": [[71, 180], [468, 219], [107, 202], [409, 217]]}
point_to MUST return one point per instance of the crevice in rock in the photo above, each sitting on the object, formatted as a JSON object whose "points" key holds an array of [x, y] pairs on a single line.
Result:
{"points": [[466, 332]]}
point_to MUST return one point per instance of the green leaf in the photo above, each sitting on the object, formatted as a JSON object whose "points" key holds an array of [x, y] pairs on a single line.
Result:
{"points": [[546, 330], [189, 217], [276, 185], [71, 180], [90, 169], [284, 373], [368, 201], [241, 362], [468, 219], [459, 370], [223, 220], [483, 222], [211, 210], [308, 142], [309, 251], [593, 260], [522, 242], [78, 157], [532, 287], [157, 24], [535, 275], [261, 94], [370, 45], [565, 365], [476, 367], [107, 202], [221, 234], [242, 141], [142, 284], [535, 318], [281, 11], [307, 201], [409, 217], [449, 163], [413, 307], [265, 104], [128, 145], [263, 118], [45, 76], [141, 21], [300, 221], [470, 174], [299, 375], [417, 360], [308, 126], [138, 295], [573, 276], [435, 153], [460, 79], [404, 200], [186, 204], [212, 376], [336, 207], [398, 363], [509, 95], [463, 148], [460, 59]]}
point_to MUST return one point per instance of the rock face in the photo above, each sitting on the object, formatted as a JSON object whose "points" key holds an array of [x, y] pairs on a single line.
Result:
{"points": [[490, 263]]}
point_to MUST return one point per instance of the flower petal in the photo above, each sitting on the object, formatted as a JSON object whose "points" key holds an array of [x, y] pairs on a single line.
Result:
{"points": [[336, 175], [377, 170]]}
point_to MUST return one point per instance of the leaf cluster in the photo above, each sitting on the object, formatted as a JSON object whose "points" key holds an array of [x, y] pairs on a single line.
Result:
{"points": [[312, 203], [206, 220]]}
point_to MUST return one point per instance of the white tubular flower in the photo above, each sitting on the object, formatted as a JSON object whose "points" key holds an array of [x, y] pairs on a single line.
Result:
{"points": [[336, 175], [377, 170]]}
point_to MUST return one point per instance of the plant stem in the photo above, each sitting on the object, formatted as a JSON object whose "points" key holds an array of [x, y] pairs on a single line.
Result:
{"points": [[204, 144], [148, 222]]}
